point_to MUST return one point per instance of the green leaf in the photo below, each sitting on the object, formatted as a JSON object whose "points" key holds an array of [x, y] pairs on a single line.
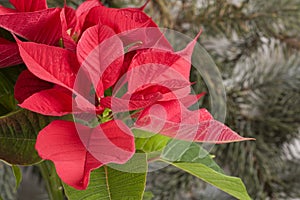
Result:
{"points": [[136, 164], [7, 103], [18, 175], [183, 151], [107, 183], [18, 132], [173, 150], [148, 142], [231, 185]]}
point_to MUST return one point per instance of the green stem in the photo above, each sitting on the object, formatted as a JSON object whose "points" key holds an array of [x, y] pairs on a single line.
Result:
{"points": [[52, 181]]}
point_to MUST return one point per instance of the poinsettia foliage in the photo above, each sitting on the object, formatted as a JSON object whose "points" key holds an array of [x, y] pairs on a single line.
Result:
{"points": [[101, 93]]}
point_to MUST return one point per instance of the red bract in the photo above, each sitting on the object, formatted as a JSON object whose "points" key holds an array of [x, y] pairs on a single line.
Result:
{"points": [[172, 119], [30, 20], [131, 24], [9, 53], [60, 142]]}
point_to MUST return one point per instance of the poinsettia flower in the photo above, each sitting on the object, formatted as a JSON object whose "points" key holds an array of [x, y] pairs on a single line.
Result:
{"points": [[54, 70], [74, 79]]}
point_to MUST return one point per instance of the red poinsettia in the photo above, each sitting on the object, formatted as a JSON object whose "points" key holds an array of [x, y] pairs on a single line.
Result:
{"points": [[94, 59], [59, 141], [47, 87]]}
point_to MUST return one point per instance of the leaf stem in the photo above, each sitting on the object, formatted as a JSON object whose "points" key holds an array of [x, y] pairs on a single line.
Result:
{"points": [[52, 181]]}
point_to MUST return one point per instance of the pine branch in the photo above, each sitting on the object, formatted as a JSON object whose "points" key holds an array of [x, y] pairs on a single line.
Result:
{"points": [[263, 99]]}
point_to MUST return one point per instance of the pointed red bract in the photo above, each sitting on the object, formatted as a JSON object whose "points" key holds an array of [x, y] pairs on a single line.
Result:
{"points": [[9, 53], [86, 6], [146, 70], [72, 160], [120, 20], [191, 99], [59, 142], [100, 53], [179, 61], [53, 102], [28, 84], [184, 64], [161, 68], [29, 5], [133, 24], [52, 64], [81, 13], [111, 141], [172, 119], [40, 26]]}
